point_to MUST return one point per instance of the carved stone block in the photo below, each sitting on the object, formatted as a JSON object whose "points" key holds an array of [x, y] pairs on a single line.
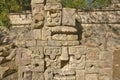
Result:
{"points": [[92, 67], [37, 8], [24, 73], [38, 65], [23, 57], [30, 43], [70, 43], [77, 51], [37, 34], [53, 6], [41, 43], [52, 52], [92, 54], [64, 56], [80, 74], [68, 17], [46, 33], [77, 64], [37, 76], [92, 77], [53, 1]]}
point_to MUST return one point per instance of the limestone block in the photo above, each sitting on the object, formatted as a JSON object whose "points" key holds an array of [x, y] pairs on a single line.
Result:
{"points": [[77, 64], [105, 64], [92, 67], [52, 52], [3, 71], [37, 1], [37, 8], [37, 76], [30, 43], [92, 54], [46, 33], [48, 74], [71, 37], [37, 52], [37, 34], [106, 56], [68, 17], [80, 74], [41, 43], [106, 72], [38, 21], [53, 64], [23, 57], [53, 6], [70, 43], [24, 73], [2, 59], [38, 65], [64, 29], [64, 56], [77, 51], [53, 1], [53, 18], [104, 78], [54, 43], [92, 77]]}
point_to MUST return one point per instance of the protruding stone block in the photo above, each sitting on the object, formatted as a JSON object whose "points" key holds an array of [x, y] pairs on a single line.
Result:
{"points": [[68, 17], [64, 56]]}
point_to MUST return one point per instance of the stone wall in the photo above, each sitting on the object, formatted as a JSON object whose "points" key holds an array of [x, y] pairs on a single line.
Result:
{"points": [[64, 44]]}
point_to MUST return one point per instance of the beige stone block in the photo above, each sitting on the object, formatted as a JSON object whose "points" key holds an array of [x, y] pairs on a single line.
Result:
{"points": [[37, 1], [37, 34], [92, 54], [92, 67], [105, 64], [53, 6], [80, 74], [64, 37], [77, 51], [30, 43], [46, 33], [77, 64], [52, 52], [70, 43], [53, 1], [38, 65], [64, 56], [41, 43], [2, 59], [104, 78], [68, 17], [37, 76], [65, 29], [54, 43], [37, 8], [91, 77]]}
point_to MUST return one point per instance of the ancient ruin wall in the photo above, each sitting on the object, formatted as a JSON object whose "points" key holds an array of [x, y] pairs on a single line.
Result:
{"points": [[63, 44]]}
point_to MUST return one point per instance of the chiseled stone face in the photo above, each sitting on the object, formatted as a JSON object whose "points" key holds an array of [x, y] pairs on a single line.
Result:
{"points": [[92, 77]]}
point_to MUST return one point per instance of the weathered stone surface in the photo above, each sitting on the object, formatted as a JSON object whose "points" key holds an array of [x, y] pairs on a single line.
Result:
{"points": [[92, 77], [64, 56], [77, 64], [64, 37], [37, 1], [77, 51], [52, 52], [3, 71], [41, 43], [37, 76], [92, 67], [37, 34], [46, 33], [64, 29], [92, 54], [37, 8], [30, 43], [23, 57], [53, 1], [38, 65], [68, 17], [80, 74], [70, 43], [24, 73], [2, 59], [53, 6]]}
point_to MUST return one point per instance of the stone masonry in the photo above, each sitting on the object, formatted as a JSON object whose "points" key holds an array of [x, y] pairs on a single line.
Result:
{"points": [[65, 44]]}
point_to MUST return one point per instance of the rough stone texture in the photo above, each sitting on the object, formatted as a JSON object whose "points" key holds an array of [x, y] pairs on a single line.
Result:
{"points": [[62, 44]]}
